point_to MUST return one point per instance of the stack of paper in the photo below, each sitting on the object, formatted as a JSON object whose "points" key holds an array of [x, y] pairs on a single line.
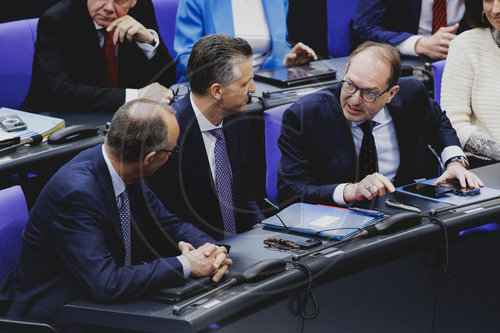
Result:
{"points": [[37, 123]]}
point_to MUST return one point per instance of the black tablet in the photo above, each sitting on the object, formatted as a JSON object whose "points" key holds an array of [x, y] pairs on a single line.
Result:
{"points": [[297, 75]]}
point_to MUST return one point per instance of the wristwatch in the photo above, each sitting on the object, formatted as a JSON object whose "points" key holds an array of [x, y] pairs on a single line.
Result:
{"points": [[460, 159]]}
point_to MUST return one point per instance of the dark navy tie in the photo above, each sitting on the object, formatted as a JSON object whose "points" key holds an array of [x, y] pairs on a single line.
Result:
{"points": [[223, 183], [368, 162], [124, 212]]}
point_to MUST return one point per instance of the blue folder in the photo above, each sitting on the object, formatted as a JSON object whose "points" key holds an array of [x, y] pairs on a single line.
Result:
{"points": [[332, 222]]}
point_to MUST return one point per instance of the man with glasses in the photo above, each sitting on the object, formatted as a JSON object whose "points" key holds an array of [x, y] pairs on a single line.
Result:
{"points": [[95, 55], [209, 182], [97, 231], [359, 138]]}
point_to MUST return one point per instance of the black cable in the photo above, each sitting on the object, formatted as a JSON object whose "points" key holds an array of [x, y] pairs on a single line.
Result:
{"points": [[444, 248], [308, 292], [263, 100]]}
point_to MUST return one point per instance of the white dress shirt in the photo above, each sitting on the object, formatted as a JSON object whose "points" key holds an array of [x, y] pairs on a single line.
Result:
{"points": [[455, 10], [118, 188], [148, 49], [386, 143]]}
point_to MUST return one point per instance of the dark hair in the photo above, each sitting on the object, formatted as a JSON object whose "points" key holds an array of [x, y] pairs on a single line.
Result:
{"points": [[474, 14], [387, 53], [137, 129], [213, 59]]}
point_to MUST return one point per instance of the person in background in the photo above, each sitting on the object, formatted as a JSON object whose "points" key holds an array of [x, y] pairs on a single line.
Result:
{"points": [[95, 55], [261, 22], [363, 136], [414, 27], [209, 182], [469, 89], [97, 230]]}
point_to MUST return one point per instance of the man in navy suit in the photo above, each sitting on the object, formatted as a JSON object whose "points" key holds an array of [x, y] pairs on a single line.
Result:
{"points": [[408, 26], [70, 71], [191, 185], [323, 134], [98, 231]]}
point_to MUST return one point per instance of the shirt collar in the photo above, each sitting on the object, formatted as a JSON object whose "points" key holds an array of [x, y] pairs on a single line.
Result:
{"points": [[97, 26], [382, 117], [203, 122], [116, 180]]}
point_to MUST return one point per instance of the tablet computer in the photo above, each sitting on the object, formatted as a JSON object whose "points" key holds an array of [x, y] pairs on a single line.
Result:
{"points": [[297, 75]]}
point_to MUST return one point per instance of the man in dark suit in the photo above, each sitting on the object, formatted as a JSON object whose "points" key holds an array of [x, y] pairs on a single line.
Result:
{"points": [[387, 123], [74, 68], [408, 25], [195, 184], [98, 231]]}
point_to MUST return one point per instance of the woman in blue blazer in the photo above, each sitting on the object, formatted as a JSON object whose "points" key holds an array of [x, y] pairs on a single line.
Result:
{"points": [[197, 18]]}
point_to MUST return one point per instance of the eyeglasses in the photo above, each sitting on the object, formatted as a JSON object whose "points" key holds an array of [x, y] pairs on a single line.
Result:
{"points": [[366, 95], [281, 244], [173, 151]]}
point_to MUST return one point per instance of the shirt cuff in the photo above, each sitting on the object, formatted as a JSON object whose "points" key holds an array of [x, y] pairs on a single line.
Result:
{"points": [[186, 266], [131, 94], [407, 47], [451, 151], [338, 194], [148, 49]]}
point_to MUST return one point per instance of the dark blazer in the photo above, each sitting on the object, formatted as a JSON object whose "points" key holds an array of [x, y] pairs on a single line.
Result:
{"points": [[185, 184], [73, 243], [387, 21], [318, 149], [68, 66]]}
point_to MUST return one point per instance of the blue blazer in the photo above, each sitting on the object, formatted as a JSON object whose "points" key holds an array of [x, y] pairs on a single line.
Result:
{"points": [[73, 243], [318, 151], [185, 184], [387, 21], [198, 18]]}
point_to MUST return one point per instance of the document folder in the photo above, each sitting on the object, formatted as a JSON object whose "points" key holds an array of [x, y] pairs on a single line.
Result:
{"points": [[332, 222]]}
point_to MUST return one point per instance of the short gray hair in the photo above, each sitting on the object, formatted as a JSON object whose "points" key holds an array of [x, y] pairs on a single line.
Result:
{"points": [[214, 59], [137, 129]]}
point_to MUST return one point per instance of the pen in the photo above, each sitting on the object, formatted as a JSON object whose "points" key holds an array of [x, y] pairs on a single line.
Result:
{"points": [[400, 205], [366, 212]]}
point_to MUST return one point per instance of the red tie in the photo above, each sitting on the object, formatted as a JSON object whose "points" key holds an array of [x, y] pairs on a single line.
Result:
{"points": [[438, 15], [109, 59]]}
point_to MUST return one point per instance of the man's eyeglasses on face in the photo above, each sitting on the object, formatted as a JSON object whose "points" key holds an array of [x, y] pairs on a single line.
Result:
{"points": [[366, 95], [173, 151]]}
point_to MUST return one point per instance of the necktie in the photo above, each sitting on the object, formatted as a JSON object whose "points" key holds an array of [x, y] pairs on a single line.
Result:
{"points": [[108, 49], [368, 162], [438, 15], [223, 183], [124, 212]]}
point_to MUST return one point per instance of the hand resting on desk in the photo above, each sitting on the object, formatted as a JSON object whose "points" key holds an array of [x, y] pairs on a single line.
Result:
{"points": [[374, 185], [208, 259], [455, 170]]}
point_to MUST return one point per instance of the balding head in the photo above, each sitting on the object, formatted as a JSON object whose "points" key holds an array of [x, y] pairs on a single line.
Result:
{"points": [[138, 128]]}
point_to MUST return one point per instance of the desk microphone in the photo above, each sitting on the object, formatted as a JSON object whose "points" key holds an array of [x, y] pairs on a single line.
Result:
{"points": [[34, 140]]}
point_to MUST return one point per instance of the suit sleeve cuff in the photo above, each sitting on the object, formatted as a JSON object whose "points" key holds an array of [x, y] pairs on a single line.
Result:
{"points": [[148, 49], [451, 151], [407, 47], [186, 266], [338, 194]]}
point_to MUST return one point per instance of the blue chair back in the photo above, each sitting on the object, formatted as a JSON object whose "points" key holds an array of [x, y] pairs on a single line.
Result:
{"points": [[165, 11], [16, 56], [340, 15], [437, 68], [14, 215], [272, 123]]}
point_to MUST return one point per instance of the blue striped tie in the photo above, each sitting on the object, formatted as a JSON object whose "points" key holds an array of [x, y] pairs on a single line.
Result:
{"points": [[223, 183]]}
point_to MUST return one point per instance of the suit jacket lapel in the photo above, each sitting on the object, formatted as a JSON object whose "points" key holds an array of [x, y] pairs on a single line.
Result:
{"points": [[222, 16]]}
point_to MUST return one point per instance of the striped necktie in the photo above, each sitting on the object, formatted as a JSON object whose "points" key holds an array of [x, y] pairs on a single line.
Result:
{"points": [[439, 18]]}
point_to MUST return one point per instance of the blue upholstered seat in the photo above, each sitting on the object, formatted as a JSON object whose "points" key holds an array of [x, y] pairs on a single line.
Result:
{"points": [[339, 16], [165, 11]]}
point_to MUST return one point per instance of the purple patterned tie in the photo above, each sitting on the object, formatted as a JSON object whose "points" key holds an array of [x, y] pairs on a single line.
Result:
{"points": [[223, 183], [368, 161], [124, 212]]}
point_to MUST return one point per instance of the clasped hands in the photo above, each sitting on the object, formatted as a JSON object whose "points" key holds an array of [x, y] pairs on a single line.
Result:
{"points": [[377, 185], [208, 259]]}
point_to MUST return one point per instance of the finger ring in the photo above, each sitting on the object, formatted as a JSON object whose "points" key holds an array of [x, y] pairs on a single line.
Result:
{"points": [[369, 188]]}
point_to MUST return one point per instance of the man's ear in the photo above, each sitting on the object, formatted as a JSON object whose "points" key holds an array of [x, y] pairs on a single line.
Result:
{"points": [[149, 158], [133, 3], [216, 90], [392, 92]]}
